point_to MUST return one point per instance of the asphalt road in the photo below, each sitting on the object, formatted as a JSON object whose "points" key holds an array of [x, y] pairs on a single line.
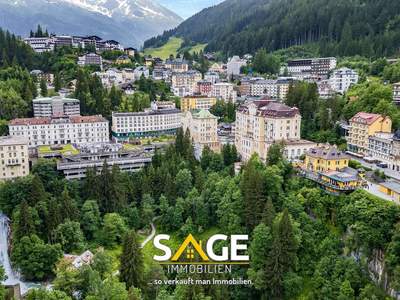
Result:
{"points": [[388, 172]]}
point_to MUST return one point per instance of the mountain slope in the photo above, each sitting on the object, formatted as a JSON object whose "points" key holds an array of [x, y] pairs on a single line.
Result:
{"points": [[343, 27], [128, 21]]}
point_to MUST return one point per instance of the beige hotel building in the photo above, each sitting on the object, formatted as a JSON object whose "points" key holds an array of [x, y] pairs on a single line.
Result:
{"points": [[14, 158], [261, 123]]}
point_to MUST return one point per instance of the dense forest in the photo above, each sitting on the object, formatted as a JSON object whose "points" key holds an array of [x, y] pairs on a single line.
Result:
{"points": [[304, 244], [334, 27]]}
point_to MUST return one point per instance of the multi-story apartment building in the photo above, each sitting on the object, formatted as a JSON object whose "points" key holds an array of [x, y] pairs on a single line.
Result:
{"points": [[185, 83], [204, 87], [396, 93], [283, 84], [197, 102], [362, 126], [264, 87], [224, 91], [342, 79], [40, 44], [300, 68], [203, 127], [325, 90], [94, 156], [14, 157], [60, 130], [177, 65], [55, 106], [90, 59], [40, 75], [161, 73], [141, 71], [63, 41], [317, 68], [395, 161], [45, 44], [261, 123], [234, 65], [150, 123], [380, 146], [321, 67], [212, 77]]}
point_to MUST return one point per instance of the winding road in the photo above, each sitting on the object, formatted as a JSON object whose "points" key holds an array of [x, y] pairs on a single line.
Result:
{"points": [[152, 234]]}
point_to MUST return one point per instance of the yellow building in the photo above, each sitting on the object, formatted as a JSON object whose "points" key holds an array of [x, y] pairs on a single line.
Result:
{"points": [[123, 60], [328, 167], [324, 159], [197, 102], [363, 125], [391, 188], [14, 157]]}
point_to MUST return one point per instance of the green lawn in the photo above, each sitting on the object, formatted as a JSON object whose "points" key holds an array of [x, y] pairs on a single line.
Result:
{"points": [[165, 51], [129, 147], [197, 48], [66, 149], [172, 47]]}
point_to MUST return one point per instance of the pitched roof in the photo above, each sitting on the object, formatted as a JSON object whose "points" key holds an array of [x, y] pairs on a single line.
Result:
{"points": [[271, 108], [203, 114], [368, 118], [327, 153]]}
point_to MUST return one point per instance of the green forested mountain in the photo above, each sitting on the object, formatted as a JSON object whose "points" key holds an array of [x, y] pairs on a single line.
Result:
{"points": [[335, 27]]}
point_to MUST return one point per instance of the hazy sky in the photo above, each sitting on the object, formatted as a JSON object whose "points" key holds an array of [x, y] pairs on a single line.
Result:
{"points": [[187, 8]]}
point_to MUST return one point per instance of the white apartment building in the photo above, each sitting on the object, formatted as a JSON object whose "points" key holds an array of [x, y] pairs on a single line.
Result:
{"points": [[212, 77], [234, 65], [342, 79], [396, 93], [203, 127], [321, 67], [224, 91], [150, 123], [185, 83], [141, 71], [60, 130], [55, 106], [317, 68], [380, 146], [90, 59], [14, 157], [261, 123], [300, 68], [264, 88], [40, 44]]}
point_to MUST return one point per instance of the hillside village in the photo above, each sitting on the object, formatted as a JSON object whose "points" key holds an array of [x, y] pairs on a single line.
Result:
{"points": [[136, 140], [262, 117]]}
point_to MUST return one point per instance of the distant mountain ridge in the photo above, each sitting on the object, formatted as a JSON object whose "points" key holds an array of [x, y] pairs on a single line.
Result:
{"points": [[335, 27], [128, 21]]}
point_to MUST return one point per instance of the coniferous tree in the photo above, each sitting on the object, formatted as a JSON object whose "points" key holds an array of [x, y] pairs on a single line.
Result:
{"points": [[253, 191], [26, 225], [282, 257], [57, 82], [131, 268], [38, 192], [68, 206], [269, 213], [43, 88]]}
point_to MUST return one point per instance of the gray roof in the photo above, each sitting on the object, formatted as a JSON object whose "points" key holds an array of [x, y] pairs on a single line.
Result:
{"points": [[327, 153], [392, 185]]}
